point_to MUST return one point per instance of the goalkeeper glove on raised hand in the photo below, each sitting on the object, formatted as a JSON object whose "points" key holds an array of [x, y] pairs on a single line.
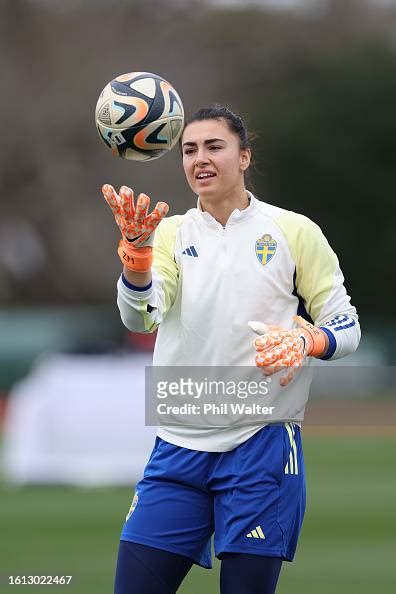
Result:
{"points": [[280, 349], [136, 225]]}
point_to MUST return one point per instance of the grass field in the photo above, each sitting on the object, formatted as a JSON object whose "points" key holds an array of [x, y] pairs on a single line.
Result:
{"points": [[348, 542]]}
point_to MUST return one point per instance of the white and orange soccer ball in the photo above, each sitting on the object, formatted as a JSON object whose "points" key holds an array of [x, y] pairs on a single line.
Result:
{"points": [[139, 116]]}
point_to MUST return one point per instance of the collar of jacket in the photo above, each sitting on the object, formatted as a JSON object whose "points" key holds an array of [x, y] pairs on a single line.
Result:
{"points": [[237, 215]]}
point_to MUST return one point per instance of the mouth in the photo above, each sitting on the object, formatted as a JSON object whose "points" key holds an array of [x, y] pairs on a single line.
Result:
{"points": [[204, 175]]}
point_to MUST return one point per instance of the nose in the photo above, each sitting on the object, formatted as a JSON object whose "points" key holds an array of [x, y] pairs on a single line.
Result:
{"points": [[201, 157]]}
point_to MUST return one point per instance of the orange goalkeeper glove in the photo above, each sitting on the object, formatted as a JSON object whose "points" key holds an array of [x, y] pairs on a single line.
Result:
{"points": [[136, 226], [278, 348]]}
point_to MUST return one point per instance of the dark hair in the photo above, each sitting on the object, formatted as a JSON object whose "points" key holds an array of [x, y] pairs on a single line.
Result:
{"points": [[235, 124]]}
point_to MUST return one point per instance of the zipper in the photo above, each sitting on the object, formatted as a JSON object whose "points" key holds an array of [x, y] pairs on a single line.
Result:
{"points": [[223, 259]]}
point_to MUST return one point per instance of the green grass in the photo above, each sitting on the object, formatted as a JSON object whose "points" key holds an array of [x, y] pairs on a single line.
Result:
{"points": [[348, 542]]}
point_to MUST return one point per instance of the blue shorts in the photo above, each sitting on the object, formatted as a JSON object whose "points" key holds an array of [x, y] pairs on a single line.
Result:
{"points": [[252, 498]]}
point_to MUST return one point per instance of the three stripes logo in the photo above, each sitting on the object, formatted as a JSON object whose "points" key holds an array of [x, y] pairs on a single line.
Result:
{"points": [[340, 323], [190, 251], [133, 506], [256, 533], [292, 464]]}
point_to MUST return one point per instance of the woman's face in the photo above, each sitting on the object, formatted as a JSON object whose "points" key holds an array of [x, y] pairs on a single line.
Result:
{"points": [[213, 161]]}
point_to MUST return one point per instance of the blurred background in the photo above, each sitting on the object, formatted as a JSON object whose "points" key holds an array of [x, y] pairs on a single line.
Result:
{"points": [[316, 83]]}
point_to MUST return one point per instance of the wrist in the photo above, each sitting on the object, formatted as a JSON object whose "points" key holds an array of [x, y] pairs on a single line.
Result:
{"points": [[137, 281], [135, 259], [316, 341]]}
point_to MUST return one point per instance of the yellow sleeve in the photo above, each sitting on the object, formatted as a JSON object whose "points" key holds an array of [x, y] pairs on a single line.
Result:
{"points": [[165, 269], [143, 309], [319, 280]]}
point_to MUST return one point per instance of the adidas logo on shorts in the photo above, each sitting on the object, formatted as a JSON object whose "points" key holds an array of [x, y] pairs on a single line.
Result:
{"points": [[292, 464], [256, 533]]}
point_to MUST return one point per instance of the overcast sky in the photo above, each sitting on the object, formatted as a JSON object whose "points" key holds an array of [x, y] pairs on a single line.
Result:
{"points": [[281, 4], [304, 5]]}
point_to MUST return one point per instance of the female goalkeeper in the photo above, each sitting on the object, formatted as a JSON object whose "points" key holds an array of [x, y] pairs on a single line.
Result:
{"points": [[200, 280]]}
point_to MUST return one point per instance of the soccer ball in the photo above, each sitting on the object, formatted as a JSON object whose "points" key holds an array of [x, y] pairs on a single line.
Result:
{"points": [[139, 116]]}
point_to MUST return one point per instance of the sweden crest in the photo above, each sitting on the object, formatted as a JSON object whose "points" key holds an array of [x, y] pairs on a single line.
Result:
{"points": [[265, 248]]}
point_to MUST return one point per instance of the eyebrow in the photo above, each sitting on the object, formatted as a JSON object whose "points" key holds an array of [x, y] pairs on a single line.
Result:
{"points": [[209, 141]]}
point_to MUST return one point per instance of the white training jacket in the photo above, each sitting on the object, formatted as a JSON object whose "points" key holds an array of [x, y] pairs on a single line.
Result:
{"points": [[267, 264]]}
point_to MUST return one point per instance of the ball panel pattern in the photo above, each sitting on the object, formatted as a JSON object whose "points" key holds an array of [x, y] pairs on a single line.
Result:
{"points": [[139, 116]]}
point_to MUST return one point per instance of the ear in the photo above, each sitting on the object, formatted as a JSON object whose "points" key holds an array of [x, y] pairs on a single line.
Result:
{"points": [[244, 159]]}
